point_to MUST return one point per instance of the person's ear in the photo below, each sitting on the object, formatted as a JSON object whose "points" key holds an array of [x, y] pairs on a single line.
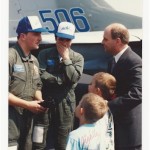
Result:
{"points": [[23, 36], [99, 92], [81, 111], [118, 41]]}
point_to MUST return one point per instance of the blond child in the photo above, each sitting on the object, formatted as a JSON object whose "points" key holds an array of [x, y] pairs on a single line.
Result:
{"points": [[102, 86], [90, 109]]}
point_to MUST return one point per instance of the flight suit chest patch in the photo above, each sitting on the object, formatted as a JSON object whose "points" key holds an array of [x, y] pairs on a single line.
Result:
{"points": [[19, 68]]}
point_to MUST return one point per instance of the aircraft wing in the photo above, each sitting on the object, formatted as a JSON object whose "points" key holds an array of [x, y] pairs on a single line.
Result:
{"points": [[86, 37]]}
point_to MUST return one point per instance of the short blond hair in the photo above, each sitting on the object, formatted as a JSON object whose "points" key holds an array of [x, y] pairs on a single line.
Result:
{"points": [[94, 107]]}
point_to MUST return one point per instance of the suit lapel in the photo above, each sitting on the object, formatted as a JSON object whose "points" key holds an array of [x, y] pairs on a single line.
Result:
{"points": [[124, 55], [119, 65]]}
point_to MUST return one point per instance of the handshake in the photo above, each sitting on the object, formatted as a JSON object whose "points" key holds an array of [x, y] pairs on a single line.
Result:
{"points": [[48, 103]]}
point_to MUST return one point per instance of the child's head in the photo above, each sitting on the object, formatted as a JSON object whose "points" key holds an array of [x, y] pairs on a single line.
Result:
{"points": [[91, 107], [103, 84]]}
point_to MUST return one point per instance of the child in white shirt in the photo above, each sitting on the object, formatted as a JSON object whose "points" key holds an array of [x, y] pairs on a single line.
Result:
{"points": [[100, 132]]}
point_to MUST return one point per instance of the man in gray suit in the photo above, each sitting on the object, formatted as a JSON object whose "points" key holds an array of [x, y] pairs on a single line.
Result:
{"points": [[126, 107]]}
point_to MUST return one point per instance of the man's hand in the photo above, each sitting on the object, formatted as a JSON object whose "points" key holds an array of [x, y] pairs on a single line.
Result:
{"points": [[35, 107], [63, 47]]}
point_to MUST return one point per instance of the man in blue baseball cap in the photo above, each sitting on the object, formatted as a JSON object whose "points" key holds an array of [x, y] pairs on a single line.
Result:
{"points": [[30, 24], [24, 83]]}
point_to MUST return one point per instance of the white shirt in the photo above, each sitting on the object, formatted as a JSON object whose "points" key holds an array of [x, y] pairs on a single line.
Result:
{"points": [[120, 53], [96, 136]]}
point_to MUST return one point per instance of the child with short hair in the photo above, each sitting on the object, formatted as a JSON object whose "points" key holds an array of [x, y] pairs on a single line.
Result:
{"points": [[103, 85], [91, 108]]}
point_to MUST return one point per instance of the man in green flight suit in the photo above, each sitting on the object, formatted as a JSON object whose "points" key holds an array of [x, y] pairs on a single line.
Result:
{"points": [[24, 83], [61, 69]]}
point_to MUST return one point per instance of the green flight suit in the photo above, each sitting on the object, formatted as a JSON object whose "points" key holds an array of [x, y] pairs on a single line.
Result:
{"points": [[24, 81], [59, 81]]}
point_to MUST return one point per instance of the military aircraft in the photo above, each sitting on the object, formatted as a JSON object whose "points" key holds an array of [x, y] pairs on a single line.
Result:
{"points": [[90, 17]]}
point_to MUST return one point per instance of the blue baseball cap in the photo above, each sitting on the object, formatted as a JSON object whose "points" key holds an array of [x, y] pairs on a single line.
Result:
{"points": [[30, 24], [66, 30]]}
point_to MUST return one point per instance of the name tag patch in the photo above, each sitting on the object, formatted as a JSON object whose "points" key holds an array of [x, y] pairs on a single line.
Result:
{"points": [[18, 68]]}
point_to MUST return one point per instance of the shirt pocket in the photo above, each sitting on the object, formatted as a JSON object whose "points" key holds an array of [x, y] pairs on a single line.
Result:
{"points": [[18, 83]]}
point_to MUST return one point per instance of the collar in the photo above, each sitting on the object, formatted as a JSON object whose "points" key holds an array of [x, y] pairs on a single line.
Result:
{"points": [[21, 53], [120, 53], [60, 58]]}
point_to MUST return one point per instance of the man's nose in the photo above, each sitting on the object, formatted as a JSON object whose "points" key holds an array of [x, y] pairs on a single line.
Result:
{"points": [[40, 37]]}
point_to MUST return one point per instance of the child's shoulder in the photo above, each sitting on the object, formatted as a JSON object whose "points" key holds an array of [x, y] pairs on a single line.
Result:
{"points": [[82, 130]]}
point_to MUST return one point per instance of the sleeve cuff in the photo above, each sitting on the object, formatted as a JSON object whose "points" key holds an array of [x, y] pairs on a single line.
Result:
{"points": [[67, 62]]}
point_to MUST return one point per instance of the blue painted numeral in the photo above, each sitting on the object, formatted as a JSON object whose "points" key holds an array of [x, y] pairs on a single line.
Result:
{"points": [[63, 12], [48, 19], [79, 19], [76, 16]]}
